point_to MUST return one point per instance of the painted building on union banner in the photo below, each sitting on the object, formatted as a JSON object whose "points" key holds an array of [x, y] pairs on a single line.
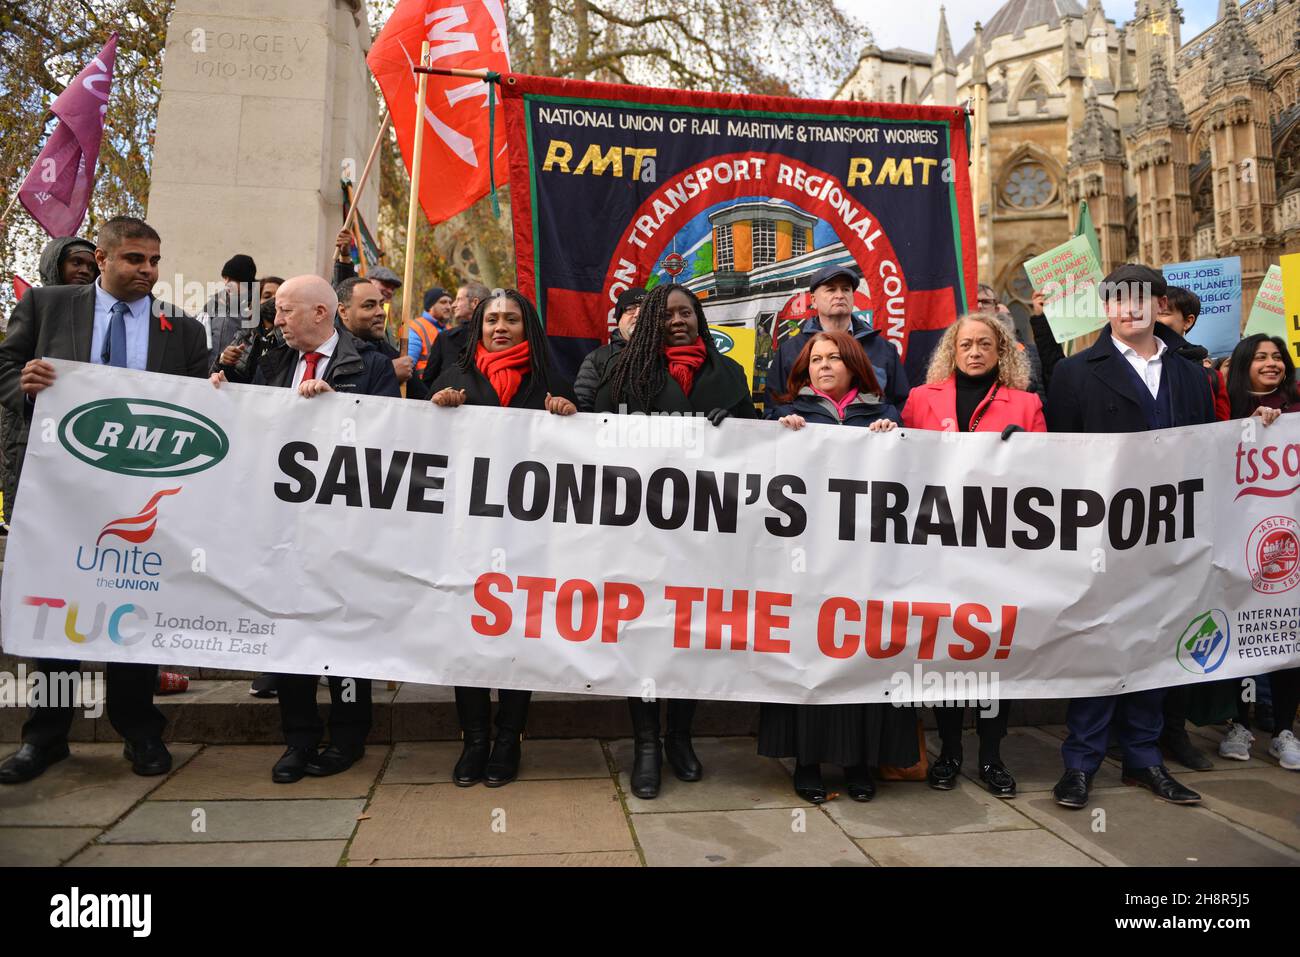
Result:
{"points": [[1184, 148]]}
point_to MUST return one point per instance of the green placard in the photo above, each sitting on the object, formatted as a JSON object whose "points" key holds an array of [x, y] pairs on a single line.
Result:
{"points": [[1068, 276], [1266, 314]]}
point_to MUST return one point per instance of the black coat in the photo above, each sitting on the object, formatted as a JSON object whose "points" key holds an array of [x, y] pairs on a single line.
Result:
{"points": [[445, 353], [593, 368], [720, 383], [479, 391], [356, 367], [1094, 392], [862, 411], [884, 360], [415, 386], [57, 322]]}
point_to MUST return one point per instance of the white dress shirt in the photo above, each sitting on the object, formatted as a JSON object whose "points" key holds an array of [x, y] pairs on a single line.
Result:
{"points": [[1148, 370], [326, 349]]}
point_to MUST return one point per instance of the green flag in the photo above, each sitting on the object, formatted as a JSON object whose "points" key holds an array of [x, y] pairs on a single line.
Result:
{"points": [[1085, 228]]}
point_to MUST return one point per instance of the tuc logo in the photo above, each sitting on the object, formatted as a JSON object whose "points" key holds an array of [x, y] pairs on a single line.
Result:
{"points": [[1278, 465], [142, 437], [1204, 642], [1273, 555]]}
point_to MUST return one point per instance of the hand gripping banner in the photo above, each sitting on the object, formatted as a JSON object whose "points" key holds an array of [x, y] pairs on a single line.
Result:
{"points": [[251, 528], [741, 199]]}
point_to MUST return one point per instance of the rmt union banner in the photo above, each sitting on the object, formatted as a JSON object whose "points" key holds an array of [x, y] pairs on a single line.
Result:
{"points": [[251, 528], [741, 199]]}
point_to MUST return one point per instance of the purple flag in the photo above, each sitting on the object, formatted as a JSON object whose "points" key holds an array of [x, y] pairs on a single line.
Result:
{"points": [[57, 189]]}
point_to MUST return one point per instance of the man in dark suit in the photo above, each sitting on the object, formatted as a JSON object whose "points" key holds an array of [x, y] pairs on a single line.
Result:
{"points": [[1130, 380], [317, 356], [114, 321]]}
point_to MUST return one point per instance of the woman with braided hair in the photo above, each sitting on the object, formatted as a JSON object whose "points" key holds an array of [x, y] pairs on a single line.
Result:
{"points": [[671, 366], [506, 364]]}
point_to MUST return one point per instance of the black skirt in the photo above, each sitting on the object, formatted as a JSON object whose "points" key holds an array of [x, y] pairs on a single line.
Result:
{"points": [[843, 734]]}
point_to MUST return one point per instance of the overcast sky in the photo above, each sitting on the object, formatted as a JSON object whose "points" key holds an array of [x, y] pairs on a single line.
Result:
{"points": [[916, 24]]}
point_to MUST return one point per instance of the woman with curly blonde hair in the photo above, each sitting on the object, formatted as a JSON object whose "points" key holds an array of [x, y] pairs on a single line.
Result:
{"points": [[976, 383]]}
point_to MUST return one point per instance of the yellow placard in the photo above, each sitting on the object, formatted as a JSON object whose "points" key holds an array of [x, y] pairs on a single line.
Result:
{"points": [[1291, 302], [737, 342]]}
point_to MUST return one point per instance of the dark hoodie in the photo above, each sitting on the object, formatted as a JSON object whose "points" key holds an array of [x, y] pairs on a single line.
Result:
{"points": [[52, 256], [13, 427]]}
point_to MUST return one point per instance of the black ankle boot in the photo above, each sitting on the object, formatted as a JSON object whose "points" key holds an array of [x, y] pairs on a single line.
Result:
{"points": [[677, 742], [647, 760], [512, 713], [474, 708], [808, 783]]}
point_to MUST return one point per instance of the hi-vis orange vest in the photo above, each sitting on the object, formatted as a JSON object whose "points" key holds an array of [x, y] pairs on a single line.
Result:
{"points": [[427, 332]]}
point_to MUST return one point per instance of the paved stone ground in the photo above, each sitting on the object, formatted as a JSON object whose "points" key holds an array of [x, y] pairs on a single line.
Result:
{"points": [[571, 807]]}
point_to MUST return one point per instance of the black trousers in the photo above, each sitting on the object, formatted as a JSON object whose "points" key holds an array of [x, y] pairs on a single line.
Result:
{"points": [[349, 721], [991, 731], [128, 692]]}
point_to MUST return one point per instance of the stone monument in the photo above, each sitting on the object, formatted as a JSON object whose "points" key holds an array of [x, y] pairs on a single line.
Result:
{"points": [[261, 105]]}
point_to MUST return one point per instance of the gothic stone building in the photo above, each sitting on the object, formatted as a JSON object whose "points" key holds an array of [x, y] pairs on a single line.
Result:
{"points": [[1183, 150]]}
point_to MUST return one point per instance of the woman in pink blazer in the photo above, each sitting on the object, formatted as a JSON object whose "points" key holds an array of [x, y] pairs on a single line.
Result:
{"points": [[976, 383]]}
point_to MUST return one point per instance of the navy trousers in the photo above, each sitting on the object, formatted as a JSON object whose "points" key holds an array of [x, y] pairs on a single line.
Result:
{"points": [[1138, 719]]}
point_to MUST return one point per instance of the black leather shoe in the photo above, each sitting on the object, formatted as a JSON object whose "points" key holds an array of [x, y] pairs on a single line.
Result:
{"points": [[1072, 789], [1161, 783], [333, 760], [148, 757], [503, 764], [998, 778], [292, 765], [808, 783], [1178, 745], [30, 761], [942, 775], [647, 765], [857, 780], [473, 759], [680, 756]]}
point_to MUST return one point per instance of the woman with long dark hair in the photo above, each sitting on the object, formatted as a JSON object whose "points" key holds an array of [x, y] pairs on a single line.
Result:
{"points": [[1262, 383], [832, 382], [671, 365], [507, 364]]}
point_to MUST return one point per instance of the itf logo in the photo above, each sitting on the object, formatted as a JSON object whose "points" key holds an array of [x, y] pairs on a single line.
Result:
{"points": [[1203, 645]]}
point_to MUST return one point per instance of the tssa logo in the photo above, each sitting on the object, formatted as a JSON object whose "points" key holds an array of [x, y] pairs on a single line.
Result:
{"points": [[1273, 555], [1268, 463], [1204, 643], [132, 568], [142, 437]]}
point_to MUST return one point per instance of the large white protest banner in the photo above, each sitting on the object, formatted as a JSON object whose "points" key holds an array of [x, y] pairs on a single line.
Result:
{"points": [[251, 528]]}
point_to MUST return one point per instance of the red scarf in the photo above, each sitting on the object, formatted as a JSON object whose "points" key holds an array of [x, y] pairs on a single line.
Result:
{"points": [[504, 369], [684, 362]]}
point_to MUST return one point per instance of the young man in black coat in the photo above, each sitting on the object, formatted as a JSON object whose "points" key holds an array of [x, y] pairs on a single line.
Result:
{"points": [[113, 321], [319, 356], [1129, 380]]}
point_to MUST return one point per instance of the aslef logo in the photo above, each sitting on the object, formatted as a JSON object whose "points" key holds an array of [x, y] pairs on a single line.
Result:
{"points": [[142, 437], [1273, 555], [128, 568], [1203, 645]]}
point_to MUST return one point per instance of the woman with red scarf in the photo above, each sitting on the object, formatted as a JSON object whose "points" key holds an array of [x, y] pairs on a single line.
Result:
{"points": [[507, 364], [671, 366]]}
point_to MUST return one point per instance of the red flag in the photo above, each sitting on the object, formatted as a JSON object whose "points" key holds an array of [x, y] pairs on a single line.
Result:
{"points": [[57, 189], [467, 35], [21, 286]]}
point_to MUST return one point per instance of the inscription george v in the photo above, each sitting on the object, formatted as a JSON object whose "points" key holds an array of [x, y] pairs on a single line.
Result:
{"points": [[209, 45]]}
